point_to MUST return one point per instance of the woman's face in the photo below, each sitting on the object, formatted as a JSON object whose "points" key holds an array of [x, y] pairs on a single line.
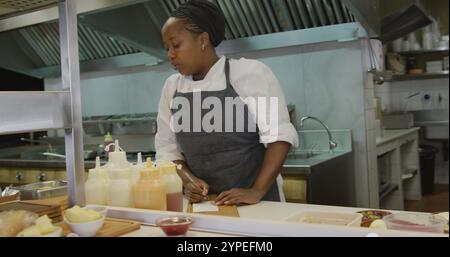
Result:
{"points": [[184, 48]]}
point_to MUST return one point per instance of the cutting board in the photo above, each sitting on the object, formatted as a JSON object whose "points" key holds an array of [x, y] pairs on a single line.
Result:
{"points": [[9, 198], [61, 201], [111, 228], [40, 209], [229, 211], [52, 211]]}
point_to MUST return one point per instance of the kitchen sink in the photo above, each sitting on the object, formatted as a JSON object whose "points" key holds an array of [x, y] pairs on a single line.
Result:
{"points": [[38, 153], [304, 155]]}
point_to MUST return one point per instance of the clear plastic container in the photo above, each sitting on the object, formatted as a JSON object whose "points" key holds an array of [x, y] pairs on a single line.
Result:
{"points": [[328, 218], [417, 222], [120, 189], [136, 172], [174, 187], [96, 186], [120, 192]]}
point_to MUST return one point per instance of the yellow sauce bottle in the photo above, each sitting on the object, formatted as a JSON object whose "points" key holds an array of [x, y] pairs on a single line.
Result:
{"points": [[150, 190], [174, 186]]}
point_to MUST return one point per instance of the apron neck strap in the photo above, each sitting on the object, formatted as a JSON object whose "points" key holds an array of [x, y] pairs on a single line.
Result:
{"points": [[227, 72]]}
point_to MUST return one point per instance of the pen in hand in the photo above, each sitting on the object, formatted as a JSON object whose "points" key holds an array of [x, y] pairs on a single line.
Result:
{"points": [[180, 168]]}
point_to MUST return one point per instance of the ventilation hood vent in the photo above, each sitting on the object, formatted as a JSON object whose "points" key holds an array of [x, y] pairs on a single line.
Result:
{"points": [[121, 33], [402, 23]]}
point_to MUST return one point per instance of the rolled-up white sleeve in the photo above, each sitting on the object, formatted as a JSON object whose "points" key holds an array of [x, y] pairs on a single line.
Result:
{"points": [[261, 83], [167, 148]]}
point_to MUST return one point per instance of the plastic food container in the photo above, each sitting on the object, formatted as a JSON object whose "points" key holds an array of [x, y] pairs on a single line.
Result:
{"points": [[328, 218], [416, 222], [370, 216], [445, 216], [175, 226]]}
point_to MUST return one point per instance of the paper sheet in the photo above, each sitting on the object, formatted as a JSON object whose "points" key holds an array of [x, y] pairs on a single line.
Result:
{"points": [[204, 207]]}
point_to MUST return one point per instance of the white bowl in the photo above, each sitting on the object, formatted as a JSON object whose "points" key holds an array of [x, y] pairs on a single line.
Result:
{"points": [[56, 233], [86, 229], [102, 210]]}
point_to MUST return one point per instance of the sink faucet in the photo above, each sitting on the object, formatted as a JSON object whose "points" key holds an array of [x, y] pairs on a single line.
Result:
{"points": [[59, 156], [333, 144], [50, 148]]}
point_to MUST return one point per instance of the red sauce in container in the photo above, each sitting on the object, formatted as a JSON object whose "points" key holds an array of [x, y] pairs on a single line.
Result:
{"points": [[175, 226]]}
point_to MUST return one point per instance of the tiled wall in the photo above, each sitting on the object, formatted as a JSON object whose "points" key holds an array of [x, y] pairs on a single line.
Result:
{"points": [[370, 148], [393, 97], [323, 80], [120, 93]]}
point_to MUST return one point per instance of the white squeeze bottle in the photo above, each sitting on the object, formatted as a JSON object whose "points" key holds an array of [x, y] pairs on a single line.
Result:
{"points": [[174, 187], [120, 191], [137, 169], [96, 186]]}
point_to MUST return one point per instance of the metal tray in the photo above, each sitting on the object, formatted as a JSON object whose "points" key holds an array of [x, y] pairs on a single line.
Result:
{"points": [[42, 190]]}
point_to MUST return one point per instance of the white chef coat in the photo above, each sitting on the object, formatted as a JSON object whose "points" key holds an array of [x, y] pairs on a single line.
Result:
{"points": [[249, 78]]}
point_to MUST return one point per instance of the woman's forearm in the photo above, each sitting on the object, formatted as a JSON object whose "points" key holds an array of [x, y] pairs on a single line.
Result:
{"points": [[182, 173], [273, 161]]}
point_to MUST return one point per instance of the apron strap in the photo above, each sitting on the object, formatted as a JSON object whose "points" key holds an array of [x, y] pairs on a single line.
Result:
{"points": [[227, 75]]}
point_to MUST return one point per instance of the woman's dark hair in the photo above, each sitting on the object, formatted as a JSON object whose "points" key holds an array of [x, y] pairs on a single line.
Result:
{"points": [[202, 16]]}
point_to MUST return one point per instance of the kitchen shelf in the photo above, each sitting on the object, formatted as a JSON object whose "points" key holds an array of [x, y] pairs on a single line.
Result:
{"points": [[409, 173], [34, 111], [16, 8], [390, 189], [406, 77], [417, 52], [121, 118]]}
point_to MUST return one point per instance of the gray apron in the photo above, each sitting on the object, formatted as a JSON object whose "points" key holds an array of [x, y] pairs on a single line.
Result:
{"points": [[223, 160]]}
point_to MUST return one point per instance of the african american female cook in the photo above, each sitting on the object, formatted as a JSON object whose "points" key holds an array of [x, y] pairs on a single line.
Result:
{"points": [[241, 167]]}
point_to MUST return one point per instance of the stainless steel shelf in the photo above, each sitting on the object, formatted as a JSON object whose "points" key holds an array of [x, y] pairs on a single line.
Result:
{"points": [[429, 51], [14, 8], [34, 111], [409, 173], [406, 77], [389, 190]]}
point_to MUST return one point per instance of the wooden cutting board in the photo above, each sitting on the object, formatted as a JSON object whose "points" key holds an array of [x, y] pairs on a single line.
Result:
{"points": [[61, 201], [10, 198], [52, 211], [111, 228], [228, 211], [40, 209]]}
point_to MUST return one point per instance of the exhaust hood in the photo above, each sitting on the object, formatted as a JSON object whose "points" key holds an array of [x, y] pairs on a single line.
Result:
{"points": [[121, 33], [399, 24]]}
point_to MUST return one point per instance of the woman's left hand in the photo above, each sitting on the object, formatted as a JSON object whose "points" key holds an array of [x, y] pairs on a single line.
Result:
{"points": [[238, 196]]}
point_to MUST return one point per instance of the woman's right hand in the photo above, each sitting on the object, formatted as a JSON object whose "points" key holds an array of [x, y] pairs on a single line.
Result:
{"points": [[196, 192]]}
